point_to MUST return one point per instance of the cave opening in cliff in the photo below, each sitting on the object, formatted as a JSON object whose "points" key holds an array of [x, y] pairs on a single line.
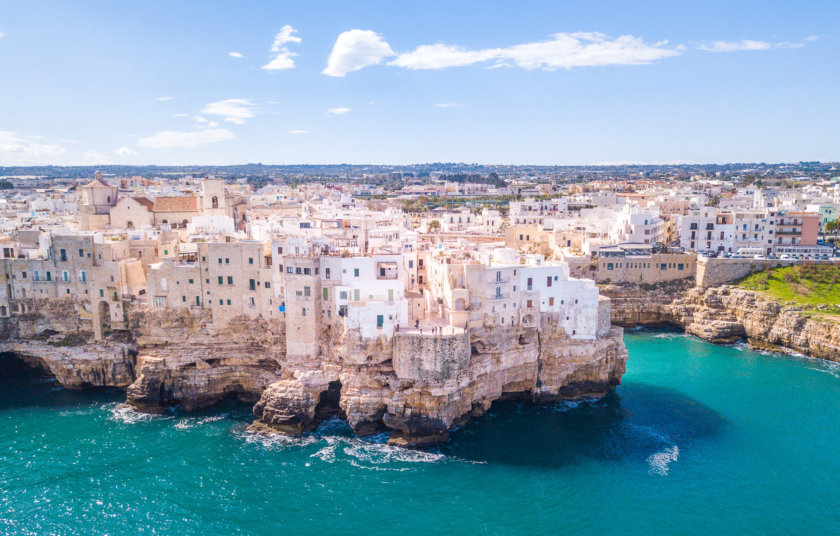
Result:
{"points": [[16, 366], [328, 402]]}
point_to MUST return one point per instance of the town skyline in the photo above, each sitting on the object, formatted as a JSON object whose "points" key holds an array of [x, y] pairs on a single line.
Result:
{"points": [[557, 85]]}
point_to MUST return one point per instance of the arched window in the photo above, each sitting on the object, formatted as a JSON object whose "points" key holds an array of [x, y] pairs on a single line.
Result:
{"points": [[215, 202], [130, 224]]}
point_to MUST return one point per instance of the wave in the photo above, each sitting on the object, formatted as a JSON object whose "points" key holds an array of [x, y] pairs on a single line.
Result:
{"points": [[191, 422], [125, 414], [660, 463]]}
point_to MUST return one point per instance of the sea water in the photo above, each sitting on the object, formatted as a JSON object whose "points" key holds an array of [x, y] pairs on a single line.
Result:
{"points": [[698, 439]]}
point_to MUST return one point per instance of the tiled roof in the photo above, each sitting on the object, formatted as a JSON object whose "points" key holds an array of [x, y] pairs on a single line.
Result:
{"points": [[97, 184], [176, 204], [145, 201]]}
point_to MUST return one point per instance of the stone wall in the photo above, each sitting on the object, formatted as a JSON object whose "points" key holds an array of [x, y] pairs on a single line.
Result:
{"points": [[713, 271]]}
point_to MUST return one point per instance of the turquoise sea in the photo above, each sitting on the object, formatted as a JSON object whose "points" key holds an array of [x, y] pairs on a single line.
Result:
{"points": [[699, 439]]}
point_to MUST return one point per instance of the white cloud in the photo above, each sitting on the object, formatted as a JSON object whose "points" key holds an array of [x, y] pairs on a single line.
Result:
{"points": [[168, 139], [338, 111], [124, 151], [19, 150], [180, 115], [2, 34], [235, 54], [732, 46], [561, 51], [282, 55], [354, 50], [164, 98], [94, 157], [298, 131], [233, 110], [441, 56], [749, 44], [449, 105]]}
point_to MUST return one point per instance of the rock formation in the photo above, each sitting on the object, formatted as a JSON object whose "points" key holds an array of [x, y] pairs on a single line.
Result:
{"points": [[420, 387], [727, 314], [417, 387]]}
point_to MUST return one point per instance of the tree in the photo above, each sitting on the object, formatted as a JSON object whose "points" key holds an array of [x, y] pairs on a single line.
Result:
{"points": [[434, 226], [6, 185]]}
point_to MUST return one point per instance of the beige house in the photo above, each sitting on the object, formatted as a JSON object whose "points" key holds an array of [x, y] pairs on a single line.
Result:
{"points": [[176, 211], [132, 213]]}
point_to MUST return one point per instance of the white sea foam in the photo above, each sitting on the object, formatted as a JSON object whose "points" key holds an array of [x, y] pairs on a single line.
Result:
{"points": [[128, 415], [660, 462], [190, 422], [273, 441]]}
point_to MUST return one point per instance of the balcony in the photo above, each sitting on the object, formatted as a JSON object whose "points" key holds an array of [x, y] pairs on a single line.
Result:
{"points": [[502, 296]]}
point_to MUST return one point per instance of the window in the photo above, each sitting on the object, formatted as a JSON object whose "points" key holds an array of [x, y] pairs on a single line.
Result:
{"points": [[290, 270], [63, 254], [252, 284], [307, 291], [325, 294], [267, 284], [303, 311], [356, 272], [230, 280], [159, 301], [327, 273], [298, 270], [197, 301], [280, 251], [411, 264], [609, 266], [548, 281], [81, 253], [166, 252], [228, 302], [380, 320], [551, 301], [220, 260], [342, 295], [356, 294], [183, 298], [221, 302], [191, 281], [84, 276], [250, 260], [227, 261], [307, 271], [102, 294], [221, 280]]}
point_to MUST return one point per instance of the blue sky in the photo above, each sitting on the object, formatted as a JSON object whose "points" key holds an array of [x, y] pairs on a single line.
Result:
{"points": [[556, 82]]}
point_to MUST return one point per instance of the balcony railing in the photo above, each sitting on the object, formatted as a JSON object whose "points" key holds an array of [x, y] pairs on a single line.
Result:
{"points": [[502, 296]]}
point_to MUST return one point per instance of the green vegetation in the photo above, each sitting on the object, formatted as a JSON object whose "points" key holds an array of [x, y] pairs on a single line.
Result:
{"points": [[6, 185], [816, 286]]}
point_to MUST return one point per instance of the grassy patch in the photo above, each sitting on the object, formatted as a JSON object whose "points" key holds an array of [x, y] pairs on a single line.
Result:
{"points": [[814, 286]]}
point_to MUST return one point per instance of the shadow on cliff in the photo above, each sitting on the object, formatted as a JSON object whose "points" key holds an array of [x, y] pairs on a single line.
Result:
{"points": [[632, 423], [23, 386]]}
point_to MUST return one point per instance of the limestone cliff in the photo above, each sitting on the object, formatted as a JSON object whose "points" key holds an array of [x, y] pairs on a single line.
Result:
{"points": [[645, 305], [416, 386], [184, 360], [727, 314], [58, 339], [420, 387]]}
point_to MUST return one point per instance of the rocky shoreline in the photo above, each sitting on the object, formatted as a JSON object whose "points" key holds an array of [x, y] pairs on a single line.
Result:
{"points": [[728, 314], [416, 387]]}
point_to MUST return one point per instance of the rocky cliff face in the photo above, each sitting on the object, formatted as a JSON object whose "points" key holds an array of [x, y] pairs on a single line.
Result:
{"points": [[645, 305], [728, 314], [58, 340], [182, 360], [419, 387]]}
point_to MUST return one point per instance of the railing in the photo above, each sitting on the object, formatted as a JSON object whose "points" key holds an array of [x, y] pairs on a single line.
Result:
{"points": [[503, 296]]}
